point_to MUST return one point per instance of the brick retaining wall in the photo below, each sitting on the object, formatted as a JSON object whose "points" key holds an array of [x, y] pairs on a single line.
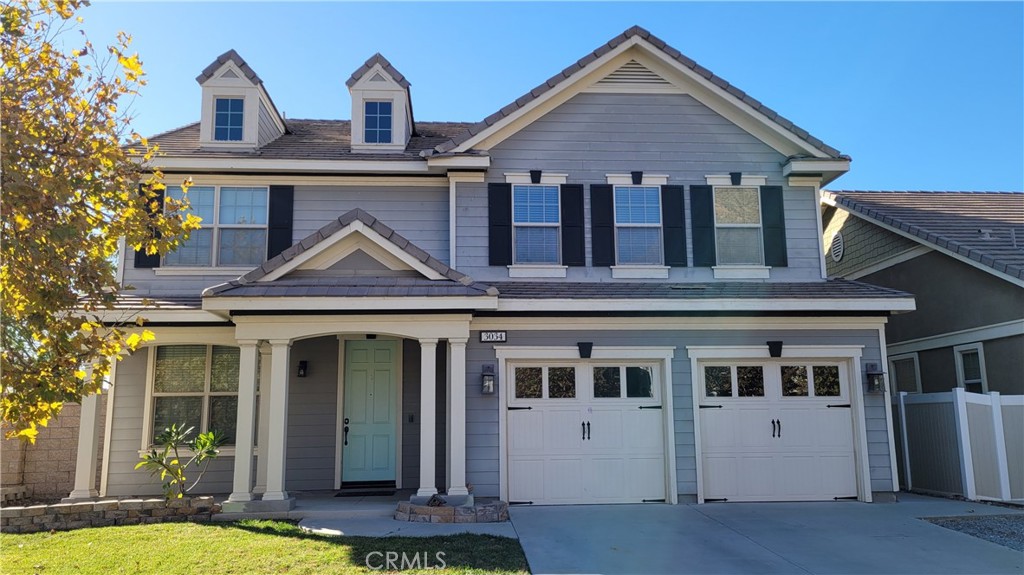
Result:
{"points": [[104, 513]]}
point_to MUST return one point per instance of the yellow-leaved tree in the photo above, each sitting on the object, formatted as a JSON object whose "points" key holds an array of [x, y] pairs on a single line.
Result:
{"points": [[72, 187]]}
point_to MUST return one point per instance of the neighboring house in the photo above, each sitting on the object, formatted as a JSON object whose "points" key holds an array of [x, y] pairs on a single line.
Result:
{"points": [[611, 290], [962, 256]]}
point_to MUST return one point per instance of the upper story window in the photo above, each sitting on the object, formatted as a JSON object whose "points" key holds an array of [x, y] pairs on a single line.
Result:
{"points": [[195, 386], [227, 125], [638, 225], [738, 235], [535, 224], [234, 227], [377, 123]]}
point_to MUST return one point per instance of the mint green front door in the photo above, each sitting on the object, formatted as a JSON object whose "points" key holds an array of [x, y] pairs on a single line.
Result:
{"points": [[370, 411]]}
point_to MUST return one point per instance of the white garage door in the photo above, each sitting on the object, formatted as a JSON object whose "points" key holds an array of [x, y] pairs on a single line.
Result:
{"points": [[779, 431], [585, 432]]}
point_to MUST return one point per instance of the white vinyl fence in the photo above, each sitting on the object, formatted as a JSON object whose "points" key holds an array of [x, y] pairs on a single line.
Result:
{"points": [[961, 443]]}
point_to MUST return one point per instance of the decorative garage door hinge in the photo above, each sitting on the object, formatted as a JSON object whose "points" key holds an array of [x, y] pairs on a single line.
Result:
{"points": [[650, 407], [520, 502], [713, 500], [839, 405], [518, 408], [711, 407]]}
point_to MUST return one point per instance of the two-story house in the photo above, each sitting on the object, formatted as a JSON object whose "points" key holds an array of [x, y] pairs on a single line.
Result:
{"points": [[610, 290]]}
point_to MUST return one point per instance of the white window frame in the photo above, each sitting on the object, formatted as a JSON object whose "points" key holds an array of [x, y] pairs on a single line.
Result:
{"points": [[660, 226], [759, 227], [216, 227], [958, 353], [917, 370], [216, 99], [392, 129], [149, 410], [557, 226]]}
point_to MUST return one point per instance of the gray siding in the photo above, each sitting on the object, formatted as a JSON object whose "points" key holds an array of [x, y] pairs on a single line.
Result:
{"points": [[126, 438], [267, 131], [411, 415], [312, 415], [482, 428], [418, 213], [864, 243], [592, 135], [1003, 360]]}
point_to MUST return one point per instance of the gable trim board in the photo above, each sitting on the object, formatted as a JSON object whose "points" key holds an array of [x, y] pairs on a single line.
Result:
{"points": [[830, 199]]}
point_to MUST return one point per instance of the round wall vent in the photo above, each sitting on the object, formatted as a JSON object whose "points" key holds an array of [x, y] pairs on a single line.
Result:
{"points": [[837, 247]]}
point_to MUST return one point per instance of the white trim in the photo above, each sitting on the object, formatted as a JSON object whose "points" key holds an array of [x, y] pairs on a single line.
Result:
{"points": [[640, 272], [893, 469], [122, 257], [743, 272], [953, 338], [108, 427], [469, 162], [745, 180], [121, 316], [761, 351], [818, 224], [288, 166], [288, 327], [1002, 464], [536, 271], [958, 352], [1012, 279], [915, 252], [349, 303], [202, 271], [546, 178], [627, 179], [675, 323], [814, 166], [661, 354], [723, 304], [356, 227], [907, 475], [384, 180], [805, 182], [892, 369]]}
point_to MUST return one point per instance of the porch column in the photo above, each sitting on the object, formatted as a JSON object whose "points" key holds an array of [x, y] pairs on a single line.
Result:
{"points": [[88, 440], [244, 429], [457, 418], [428, 416], [263, 433], [277, 397]]}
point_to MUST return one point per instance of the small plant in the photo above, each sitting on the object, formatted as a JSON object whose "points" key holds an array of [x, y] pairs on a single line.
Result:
{"points": [[166, 463]]}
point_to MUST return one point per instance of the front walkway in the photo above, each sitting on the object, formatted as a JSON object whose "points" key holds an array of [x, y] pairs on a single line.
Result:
{"points": [[842, 537]]}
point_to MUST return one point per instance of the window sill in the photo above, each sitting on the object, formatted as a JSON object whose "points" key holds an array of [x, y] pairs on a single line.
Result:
{"points": [[536, 271], [200, 271], [741, 272], [640, 272]]}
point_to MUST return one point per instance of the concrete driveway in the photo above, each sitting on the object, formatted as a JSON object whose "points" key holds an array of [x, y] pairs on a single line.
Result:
{"points": [[841, 537]]}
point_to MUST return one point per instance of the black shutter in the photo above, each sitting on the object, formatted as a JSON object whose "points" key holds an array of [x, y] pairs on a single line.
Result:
{"points": [[673, 225], [602, 224], [279, 224], [499, 222], [773, 224], [142, 259], [572, 225], [702, 212]]}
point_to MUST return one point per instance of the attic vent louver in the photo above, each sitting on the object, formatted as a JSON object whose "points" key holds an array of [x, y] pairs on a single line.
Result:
{"points": [[378, 78], [633, 72], [838, 246], [229, 74]]}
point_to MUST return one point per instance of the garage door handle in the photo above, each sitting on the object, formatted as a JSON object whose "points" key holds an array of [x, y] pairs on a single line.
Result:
{"points": [[588, 430], [583, 426], [773, 428], [780, 428]]}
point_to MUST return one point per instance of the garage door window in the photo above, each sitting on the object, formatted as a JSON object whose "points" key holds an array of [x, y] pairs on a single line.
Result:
{"points": [[824, 381], [734, 381], [545, 382], [639, 382]]}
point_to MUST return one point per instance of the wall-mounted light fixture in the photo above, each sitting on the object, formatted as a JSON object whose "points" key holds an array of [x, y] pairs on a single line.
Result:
{"points": [[774, 348], [585, 347], [303, 368], [487, 380], [874, 378]]}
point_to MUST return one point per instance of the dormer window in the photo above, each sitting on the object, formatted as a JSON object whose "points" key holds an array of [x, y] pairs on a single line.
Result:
{"points": [[228, 119], [377, 122]]}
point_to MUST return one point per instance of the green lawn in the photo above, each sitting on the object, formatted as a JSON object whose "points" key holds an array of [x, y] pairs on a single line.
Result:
{"points": [[247, 547]]}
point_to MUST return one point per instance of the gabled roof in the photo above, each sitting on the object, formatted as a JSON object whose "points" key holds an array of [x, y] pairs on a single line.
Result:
{"points": [[229, 56], [257, 277], [636, 31], [982, 228], [373, 61]]}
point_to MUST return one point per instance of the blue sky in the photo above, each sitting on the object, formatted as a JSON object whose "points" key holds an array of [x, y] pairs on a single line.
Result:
{"points": [[922, 95]]}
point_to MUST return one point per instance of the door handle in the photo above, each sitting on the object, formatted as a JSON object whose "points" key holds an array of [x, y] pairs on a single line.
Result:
{"points": [[588, 430], [346, 432], [583, 425]]}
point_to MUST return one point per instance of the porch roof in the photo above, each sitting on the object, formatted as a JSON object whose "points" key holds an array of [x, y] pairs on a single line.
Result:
{"points": [[829, 289], [334, 286]]}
